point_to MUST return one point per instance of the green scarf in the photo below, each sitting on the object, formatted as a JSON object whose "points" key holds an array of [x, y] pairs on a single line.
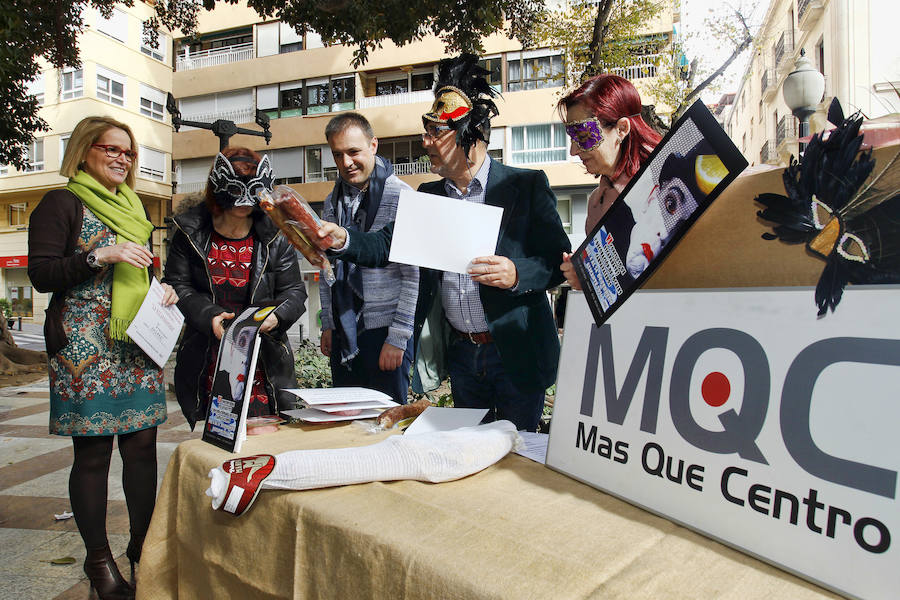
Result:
{"points": [[124, 214]]}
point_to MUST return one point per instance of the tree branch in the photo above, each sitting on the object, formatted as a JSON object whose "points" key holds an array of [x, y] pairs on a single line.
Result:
{"points": [[604, 8]]}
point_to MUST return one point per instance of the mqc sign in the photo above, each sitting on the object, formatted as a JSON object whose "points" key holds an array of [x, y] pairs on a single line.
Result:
{"points": [[742, 415]]}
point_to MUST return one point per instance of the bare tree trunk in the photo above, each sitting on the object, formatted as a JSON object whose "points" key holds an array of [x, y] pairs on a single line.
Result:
{"points": [[604, 8], [15, 360]]}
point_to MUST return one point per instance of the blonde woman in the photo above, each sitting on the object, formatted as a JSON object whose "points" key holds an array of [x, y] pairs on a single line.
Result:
{"points": [[89, 244]]}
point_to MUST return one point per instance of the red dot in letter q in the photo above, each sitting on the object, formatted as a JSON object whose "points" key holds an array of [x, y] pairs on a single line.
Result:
{"points": [[715, 389]]}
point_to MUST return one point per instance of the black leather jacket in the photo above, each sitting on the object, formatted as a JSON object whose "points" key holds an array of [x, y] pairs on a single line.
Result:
{"points": [[274, 277]]}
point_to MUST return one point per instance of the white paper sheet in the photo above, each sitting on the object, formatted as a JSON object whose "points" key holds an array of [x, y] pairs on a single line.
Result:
{"points": [[341, 395], [155, 327], [443, 233], [376, 405], [312, 415], [436, 418], [535, 446]]}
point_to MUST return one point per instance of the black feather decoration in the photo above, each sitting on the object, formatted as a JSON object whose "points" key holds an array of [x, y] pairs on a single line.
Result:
{"points": [[464, 73], [856, 231]]}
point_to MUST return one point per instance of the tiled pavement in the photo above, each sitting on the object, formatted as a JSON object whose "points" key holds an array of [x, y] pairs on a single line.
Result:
{"points": [[34, 473]]}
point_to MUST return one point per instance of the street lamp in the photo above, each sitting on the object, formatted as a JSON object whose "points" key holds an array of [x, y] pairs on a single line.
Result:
{"points": [[803, 89]]}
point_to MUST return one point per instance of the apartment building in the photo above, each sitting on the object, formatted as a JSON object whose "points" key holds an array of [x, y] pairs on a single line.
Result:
{"points": [[848, 41], [120, 77], [241, 63]]}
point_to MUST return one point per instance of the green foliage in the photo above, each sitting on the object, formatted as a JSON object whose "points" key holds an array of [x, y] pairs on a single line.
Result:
{"points": [[32, 29], [311, 367], [573, 29], [5, 308]]}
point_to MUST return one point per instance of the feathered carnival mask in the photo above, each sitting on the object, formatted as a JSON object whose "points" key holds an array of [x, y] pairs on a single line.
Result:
{"points": [[230, 189], [856, 231], [462, 100]]}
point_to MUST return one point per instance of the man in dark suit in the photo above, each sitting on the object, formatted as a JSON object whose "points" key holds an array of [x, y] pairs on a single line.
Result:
{"points": [[494, 326]]}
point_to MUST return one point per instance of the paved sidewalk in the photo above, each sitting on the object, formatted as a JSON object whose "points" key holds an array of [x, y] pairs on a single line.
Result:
{"points": [[34, 473]]}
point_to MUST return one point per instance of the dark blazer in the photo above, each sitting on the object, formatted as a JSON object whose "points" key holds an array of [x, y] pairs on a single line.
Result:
{"points": [[532, 236]]}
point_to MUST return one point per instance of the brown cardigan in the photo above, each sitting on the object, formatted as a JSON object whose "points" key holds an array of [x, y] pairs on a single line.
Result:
{"points": [[53, 263]]}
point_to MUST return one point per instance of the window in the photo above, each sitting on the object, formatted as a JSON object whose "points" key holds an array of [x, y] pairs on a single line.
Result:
{"points": [[17, 214], [422, 81], [495, 67], [110, 86], [564, 208], [152, 163], [116, 26], [317, 100], [158, 51], [309, 97], [72, 84], [290, 40], [287, 164], [403, 151], [63, 144], [152, 102], [538, 144], [4, 169], [35, 156], [314, 164], [36, 88], [343, 93], [527, 71], [396, 86]]}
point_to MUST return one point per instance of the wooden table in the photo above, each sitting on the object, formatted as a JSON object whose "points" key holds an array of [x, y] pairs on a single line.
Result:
{"points": [[515, 530]]}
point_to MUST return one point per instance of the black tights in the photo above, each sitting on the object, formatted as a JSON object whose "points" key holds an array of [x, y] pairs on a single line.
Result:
{"points": [[89, 476]]}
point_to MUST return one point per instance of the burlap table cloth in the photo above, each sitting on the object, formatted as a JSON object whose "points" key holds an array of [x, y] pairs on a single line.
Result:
{"points": [[515, 530]]}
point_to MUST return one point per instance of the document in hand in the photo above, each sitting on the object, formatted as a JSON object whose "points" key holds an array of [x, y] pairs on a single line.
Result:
{"points": [[155, 327], [226, 417], [443, 233]]}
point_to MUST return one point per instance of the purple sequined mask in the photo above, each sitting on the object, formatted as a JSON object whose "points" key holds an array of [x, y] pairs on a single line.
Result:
{"points": [[586, 134]]}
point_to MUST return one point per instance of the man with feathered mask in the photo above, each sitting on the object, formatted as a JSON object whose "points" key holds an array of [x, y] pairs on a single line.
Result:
{"points": [[495, 325]]}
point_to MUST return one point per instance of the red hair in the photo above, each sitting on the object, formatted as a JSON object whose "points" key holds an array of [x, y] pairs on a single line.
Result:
{"points": [[241, 169], [610, 98]]}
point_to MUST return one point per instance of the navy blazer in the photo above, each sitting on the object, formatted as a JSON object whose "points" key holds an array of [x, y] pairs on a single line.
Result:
{"points": [[532, 236]]}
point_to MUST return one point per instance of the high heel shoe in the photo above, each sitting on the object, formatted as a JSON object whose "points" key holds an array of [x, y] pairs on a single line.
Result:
{"points": [[106, 581], [133, 552]]}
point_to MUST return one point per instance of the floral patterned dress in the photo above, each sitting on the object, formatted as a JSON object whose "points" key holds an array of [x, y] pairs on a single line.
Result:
{"points": [[100, 386]]}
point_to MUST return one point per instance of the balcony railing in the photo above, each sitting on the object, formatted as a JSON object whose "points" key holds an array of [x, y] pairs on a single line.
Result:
{"points": [[784, 48], [767, 81], [767, 153], [786, 131], [808, 11], [395, 99], [190, 188], [644, 67], [238, 115], [413, 168], [211, 58]]}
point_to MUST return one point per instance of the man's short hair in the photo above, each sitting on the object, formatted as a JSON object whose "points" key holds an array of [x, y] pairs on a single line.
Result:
{"points": [[341, 122]]}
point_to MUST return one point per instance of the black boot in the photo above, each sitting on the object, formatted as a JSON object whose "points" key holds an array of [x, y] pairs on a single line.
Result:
{"points": [[133, 552], [106, 581]]}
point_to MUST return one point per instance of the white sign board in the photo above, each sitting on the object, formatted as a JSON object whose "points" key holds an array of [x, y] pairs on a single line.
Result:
{"points": [[740, 414]]}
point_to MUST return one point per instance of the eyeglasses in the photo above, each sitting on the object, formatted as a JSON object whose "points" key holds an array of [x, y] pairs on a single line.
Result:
{"points": [[116, 152], [434, 132], [587, 134]]}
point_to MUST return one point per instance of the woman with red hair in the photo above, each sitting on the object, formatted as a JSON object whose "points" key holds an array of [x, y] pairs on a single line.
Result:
{"points": [[603, 120]]}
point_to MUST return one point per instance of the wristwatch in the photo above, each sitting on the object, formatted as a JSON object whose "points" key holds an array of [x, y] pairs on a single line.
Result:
{"points": [[93, 262]]}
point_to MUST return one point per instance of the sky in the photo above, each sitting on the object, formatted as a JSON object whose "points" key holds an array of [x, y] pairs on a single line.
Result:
{"points": [[693, 14]]}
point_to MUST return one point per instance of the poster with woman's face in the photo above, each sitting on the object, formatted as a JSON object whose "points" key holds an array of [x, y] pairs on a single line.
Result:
{"points": [[688, 169], [233, 374]]}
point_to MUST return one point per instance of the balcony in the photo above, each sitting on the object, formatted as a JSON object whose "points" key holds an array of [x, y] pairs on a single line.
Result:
{"points": [[643, 68], [786, 134], [784, 52], [768, 84], [195, 187], [767, 154], [237, 115], [413, 168], [211, 58], [395, 99], [808, 13]]}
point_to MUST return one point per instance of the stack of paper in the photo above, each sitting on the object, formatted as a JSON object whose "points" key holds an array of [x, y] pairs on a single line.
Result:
{"points": [[339, 404]]}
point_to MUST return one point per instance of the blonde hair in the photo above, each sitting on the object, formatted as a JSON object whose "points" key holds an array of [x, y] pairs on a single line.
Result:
{"points": [[87, 132]]}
